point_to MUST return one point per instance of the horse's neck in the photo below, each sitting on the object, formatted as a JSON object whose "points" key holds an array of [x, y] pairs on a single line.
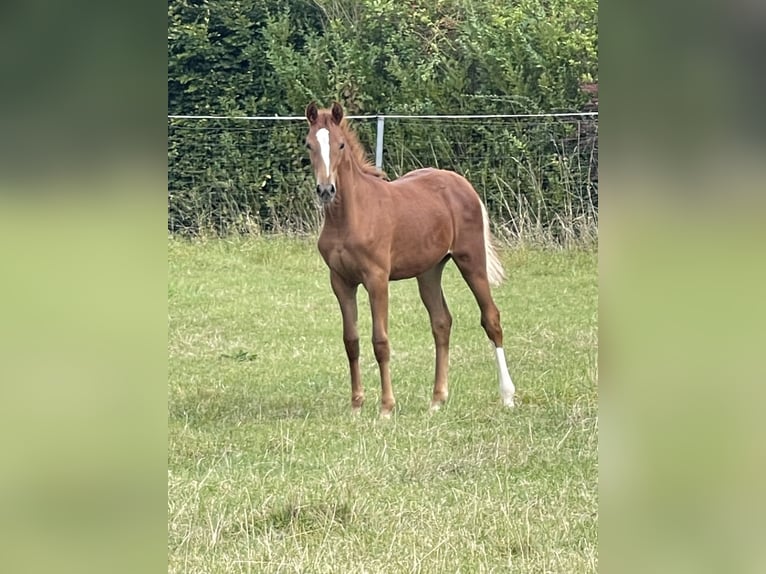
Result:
{"points": [[352, 184]]}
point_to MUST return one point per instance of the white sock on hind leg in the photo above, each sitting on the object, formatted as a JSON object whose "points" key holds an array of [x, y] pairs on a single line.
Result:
{"points": [[507, 390]]}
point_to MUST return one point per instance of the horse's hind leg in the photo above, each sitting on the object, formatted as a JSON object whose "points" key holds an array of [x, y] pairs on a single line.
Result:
{"points": [[429, 285], [475, 274]]}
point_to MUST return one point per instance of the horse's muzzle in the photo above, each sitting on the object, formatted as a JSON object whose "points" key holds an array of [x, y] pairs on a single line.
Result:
{"points": [[326, 192]]}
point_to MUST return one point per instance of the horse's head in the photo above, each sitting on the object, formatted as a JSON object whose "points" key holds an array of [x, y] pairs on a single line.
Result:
{"points": [[326, 144]]}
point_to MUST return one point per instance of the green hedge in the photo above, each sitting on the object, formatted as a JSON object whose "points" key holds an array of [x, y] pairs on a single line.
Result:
{"points": [[240, 57], [236, 175]]}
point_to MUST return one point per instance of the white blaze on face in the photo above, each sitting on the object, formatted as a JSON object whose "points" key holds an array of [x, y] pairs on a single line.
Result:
{"points": [[323, 137], [507, 390]]}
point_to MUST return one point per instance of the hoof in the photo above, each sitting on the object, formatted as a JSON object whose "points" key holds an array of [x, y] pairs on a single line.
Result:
{"points": [[357, 402], [438, 400], [386, 415], [356, 411], [437, 404], [508, 402]]}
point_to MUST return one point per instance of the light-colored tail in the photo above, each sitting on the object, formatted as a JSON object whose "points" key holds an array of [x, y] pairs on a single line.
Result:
{"points": [[495, 272]]}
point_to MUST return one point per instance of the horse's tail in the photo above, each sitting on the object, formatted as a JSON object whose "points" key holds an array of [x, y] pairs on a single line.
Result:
{"points": [[495, 272]]}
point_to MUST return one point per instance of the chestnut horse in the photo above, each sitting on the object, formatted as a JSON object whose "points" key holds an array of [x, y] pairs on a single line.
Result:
{"points": [[376, 231]]}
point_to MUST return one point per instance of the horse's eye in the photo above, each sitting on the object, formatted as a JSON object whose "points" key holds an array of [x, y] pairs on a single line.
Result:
{"points": [[342, 145], [308, 146]]}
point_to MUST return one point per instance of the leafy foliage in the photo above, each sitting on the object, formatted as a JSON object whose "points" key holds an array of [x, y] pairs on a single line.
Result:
{"points": [[245, 57]]}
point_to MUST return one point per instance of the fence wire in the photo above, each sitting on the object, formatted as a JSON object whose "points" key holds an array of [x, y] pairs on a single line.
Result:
{"points": [[533, 172]]}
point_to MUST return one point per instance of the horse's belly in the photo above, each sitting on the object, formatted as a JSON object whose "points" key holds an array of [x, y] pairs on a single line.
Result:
{"points": [[419, 247], [407, 272], [417, 263]]}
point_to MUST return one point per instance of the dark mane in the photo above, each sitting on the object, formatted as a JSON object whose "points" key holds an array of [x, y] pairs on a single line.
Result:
{"points": [[357, 151]]}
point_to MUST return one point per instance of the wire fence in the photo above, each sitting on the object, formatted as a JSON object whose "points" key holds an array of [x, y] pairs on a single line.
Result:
{"points": [[537, 173]]}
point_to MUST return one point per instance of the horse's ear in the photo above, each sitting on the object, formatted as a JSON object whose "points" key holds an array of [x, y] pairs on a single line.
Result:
{"points": [[312, 112], [337, 112]]}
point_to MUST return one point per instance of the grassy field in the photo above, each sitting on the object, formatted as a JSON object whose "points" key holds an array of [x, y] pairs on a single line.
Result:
{"points": [[269, 472]]}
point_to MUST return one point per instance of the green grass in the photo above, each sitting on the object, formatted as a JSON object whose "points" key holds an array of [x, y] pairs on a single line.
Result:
{"points": [[269, 472]]}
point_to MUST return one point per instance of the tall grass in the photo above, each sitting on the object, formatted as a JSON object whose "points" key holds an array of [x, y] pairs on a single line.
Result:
{"points": [[524, 221]]}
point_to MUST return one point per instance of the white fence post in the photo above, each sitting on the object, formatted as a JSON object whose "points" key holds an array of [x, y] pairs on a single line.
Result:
{"points": [[379, 145]]}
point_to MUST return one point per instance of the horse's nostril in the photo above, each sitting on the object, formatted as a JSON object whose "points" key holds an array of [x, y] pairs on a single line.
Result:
{"points": [[325, 191]]}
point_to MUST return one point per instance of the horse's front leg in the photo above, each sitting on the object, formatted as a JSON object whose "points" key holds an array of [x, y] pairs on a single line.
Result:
{"points": [[346, 295], [378, 292]]}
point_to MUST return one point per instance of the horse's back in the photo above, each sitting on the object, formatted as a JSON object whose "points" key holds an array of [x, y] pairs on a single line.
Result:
{"points": [[430, 185], [428, 173], [415, 173]]}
